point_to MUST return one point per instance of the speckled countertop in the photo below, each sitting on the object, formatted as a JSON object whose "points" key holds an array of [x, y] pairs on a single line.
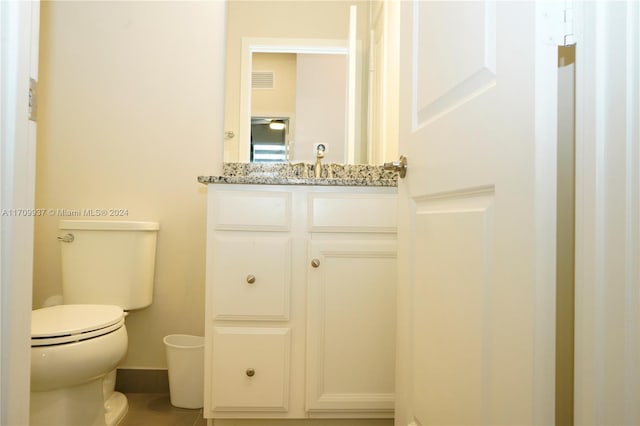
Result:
{"points": [[295, 174]]}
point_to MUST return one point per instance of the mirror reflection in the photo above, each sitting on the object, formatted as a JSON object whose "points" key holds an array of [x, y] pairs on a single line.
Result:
{"points": [[304, 64], [270, 139], [306, 91]]}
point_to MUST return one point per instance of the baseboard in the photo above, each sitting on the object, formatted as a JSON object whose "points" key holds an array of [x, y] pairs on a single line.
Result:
{"points": [[133, 380]]}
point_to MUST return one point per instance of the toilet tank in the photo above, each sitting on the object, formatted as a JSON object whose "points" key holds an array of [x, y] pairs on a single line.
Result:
{"points": [[108, 262]]}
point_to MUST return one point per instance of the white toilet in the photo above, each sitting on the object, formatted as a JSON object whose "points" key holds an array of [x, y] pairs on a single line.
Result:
{"points": [[107, 269]]}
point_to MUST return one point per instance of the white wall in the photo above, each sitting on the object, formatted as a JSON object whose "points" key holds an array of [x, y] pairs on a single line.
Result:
{"points": [[384, 84], [131, 97]]}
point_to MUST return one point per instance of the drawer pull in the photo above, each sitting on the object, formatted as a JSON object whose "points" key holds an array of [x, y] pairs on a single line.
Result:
{"points": [[315, 263], [250, 372], [251, 279]]}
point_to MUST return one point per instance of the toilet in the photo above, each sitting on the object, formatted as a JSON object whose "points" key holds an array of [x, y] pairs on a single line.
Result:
{"points": [[107, 270]]}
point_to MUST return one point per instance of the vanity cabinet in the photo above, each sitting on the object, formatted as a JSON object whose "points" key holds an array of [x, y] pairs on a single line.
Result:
{"points": [[351, 326], [300, 301]]}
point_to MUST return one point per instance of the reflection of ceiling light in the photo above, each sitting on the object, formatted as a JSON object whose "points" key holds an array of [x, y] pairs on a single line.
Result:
{"points": [[276, 125]]}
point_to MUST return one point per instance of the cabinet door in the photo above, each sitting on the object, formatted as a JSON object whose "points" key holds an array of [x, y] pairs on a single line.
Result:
{"points": [[250, 369], [351, 326], [251, 277]]}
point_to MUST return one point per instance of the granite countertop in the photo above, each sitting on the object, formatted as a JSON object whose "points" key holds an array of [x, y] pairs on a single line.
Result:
{"points": [[294, 174]]}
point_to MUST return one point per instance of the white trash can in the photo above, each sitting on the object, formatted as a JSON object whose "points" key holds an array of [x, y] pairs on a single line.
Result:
{"points": [[185, 359]]}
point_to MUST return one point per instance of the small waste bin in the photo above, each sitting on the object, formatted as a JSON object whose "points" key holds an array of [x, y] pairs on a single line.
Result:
{"points": [[185, 359]]}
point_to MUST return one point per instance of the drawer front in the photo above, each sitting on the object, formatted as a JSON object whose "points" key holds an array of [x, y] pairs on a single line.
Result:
{"points": [[251, 278], [250, 210], [250, 369], [342, 212]]}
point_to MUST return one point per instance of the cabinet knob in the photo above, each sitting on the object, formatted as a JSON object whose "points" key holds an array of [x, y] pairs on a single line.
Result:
{"points": [[315, 263], [250, 372], [251, 279]]}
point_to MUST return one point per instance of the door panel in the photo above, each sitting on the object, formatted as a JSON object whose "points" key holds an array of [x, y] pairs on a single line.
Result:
{"points": [[454, 288], [476, 241], [444, 77]]}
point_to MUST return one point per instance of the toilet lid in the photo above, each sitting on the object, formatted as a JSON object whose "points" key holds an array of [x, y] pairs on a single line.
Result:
{"points": [[60, 324]]}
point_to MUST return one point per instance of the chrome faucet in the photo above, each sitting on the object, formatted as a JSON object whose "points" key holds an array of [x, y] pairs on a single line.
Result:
{"points": [[317, 169]]}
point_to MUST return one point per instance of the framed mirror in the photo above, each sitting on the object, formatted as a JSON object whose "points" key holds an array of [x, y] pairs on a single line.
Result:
{"points": [[322, 39]]}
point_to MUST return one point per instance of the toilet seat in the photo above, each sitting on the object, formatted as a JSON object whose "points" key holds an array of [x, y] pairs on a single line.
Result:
{"points": [[60, 324]]}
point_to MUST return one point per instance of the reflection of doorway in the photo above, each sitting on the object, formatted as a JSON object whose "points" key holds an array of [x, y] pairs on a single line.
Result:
{"points": [[269, 139], [308, 47]]}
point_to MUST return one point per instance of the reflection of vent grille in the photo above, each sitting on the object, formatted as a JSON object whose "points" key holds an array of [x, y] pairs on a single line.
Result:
{"points": [[262, 80]]}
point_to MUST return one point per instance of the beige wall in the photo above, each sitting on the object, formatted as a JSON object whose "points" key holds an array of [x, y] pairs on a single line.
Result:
{"points": [[130, 114], [281, 100], [565, 230]]}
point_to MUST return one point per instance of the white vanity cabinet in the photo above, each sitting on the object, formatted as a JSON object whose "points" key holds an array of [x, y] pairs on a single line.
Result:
{"points": [[300, 309]]}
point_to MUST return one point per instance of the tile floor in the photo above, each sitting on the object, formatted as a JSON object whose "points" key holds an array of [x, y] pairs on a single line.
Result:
{"points": [[155, 409]]}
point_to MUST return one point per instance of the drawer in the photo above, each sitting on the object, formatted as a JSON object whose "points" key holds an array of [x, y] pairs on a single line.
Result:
{"points": [[250, 369], [342, 212], [250, 210], [251, 278]]}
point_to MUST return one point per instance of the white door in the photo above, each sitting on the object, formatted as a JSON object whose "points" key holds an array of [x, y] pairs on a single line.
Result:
{"points": [[19, 30], [477, 214]]}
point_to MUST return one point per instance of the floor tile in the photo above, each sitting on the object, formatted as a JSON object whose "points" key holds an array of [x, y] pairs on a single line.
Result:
{"points": [[155, 409]]}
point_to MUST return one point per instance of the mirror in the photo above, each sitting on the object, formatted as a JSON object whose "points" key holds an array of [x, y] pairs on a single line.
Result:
{"points": [[304, 63]]}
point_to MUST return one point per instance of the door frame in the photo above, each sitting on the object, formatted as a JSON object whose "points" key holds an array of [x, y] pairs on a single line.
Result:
{"points": [[20, 24], [607, 283]]}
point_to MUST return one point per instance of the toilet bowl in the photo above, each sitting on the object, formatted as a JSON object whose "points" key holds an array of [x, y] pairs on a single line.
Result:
{"points": [[73, 347], [107, 269]]}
